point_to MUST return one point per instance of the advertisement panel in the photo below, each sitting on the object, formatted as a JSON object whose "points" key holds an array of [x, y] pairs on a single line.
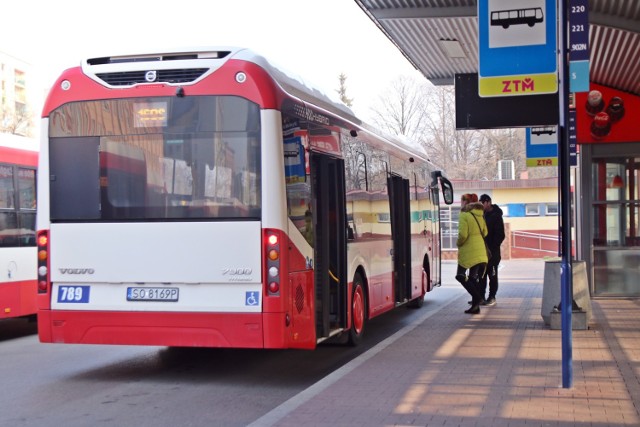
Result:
{"points": [[607, 115]]}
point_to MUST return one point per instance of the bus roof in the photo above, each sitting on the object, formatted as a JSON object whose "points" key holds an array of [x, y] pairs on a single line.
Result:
{"points": [[19, 142], [290, 82]]}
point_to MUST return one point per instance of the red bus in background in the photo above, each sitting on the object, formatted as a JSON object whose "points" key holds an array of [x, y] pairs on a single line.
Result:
{"points": [[18, 162], [208, 199]]}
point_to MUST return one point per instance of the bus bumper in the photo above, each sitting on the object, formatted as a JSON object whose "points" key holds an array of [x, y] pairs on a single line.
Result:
{"points": [[230, 330]]}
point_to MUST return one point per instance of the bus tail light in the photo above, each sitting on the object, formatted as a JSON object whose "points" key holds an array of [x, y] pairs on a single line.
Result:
{"points": [[272, 261], [43, 261]]}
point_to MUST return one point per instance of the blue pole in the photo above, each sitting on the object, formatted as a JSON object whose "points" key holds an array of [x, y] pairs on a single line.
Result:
{"points": [[566, 275]]}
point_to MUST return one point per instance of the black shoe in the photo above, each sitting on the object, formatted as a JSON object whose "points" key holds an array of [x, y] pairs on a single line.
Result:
{"points": [[489, 302], [483, 302], [475, 309]]}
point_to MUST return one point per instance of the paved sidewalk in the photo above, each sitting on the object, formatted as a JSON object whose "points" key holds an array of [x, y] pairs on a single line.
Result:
{"points": [[499, 368]]}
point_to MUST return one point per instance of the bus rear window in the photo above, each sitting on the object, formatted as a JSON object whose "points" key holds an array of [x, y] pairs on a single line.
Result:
{"points": [[155, 159]]}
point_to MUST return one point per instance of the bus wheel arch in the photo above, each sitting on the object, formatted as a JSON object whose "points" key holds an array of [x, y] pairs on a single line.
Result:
{"points": [[359, 308]]}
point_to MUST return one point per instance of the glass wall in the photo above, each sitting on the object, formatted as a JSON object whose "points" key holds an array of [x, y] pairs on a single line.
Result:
{"points": [[615, 215]]}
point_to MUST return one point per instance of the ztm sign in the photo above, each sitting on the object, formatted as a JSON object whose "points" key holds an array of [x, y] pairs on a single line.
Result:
{"points": [[517, 47]]}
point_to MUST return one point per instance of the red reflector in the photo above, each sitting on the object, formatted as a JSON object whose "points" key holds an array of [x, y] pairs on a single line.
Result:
{"points": [[274, 287], [272, 239], [42, 285]]}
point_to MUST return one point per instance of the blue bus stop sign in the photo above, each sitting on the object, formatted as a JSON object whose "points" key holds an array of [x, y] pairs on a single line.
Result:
{"points": [[517, 47]]}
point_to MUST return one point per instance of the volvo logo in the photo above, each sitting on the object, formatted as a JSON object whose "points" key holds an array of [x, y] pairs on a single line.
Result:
{"points": [[76, 270], [151, 76], [236, 271]]}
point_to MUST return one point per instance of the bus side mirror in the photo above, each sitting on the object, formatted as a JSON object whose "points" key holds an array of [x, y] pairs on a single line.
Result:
{"points": [[447, 187], [447, 190]]}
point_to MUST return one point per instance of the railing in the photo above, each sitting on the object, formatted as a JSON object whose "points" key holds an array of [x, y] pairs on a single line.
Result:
{"points": [[520, 241], [534, 241], [449, 233]]}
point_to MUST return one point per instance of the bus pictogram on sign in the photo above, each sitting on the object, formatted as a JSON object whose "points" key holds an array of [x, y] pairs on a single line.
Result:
{"points": [[504, 18]]}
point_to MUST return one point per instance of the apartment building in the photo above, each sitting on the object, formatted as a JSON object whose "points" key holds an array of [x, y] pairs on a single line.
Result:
{"points": [[16, 104]]}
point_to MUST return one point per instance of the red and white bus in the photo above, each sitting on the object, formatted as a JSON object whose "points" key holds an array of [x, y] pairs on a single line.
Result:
{"points": [[206, 198], [18, 162]]}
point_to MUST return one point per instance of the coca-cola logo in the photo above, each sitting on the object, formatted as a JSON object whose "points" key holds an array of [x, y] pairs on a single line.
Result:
{"points": [[601, 119]]}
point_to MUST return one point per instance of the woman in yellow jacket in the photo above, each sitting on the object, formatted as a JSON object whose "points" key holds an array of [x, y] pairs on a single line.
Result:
{"points": [[472, 254]]}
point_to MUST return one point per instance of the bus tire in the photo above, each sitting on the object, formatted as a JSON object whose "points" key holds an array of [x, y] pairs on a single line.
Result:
{"points": [[419, 302], [358, 310], [416, 303]]}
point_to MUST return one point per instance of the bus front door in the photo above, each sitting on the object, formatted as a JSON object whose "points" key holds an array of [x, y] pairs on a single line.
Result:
{"points": [[401, 234], [330, 258]]}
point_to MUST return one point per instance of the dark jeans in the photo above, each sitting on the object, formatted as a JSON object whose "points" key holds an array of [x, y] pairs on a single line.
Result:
{"points": [[472, 282], [492, 274]]}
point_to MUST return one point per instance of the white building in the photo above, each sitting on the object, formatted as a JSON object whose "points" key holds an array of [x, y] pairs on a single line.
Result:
{"points": [[16, 96]]}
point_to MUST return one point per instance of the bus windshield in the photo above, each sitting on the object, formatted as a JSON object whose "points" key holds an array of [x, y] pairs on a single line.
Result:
{"points": [[166, 158]]}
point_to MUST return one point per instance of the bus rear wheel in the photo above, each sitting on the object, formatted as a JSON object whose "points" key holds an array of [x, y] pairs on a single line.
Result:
{"points": [[358, 311], [426, 282]]}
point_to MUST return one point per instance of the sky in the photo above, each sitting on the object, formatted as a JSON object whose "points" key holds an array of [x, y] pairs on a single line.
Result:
{"points": [[317, 39]]}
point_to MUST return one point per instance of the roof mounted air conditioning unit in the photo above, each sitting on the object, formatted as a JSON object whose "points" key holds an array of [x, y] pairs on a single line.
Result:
{"points": [[506, 169]]}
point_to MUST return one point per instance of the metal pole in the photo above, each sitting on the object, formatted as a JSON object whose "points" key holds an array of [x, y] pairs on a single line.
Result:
{"points": [[566, 275]]}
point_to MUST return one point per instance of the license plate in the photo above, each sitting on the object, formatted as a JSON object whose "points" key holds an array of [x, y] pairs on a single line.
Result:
{"points": [[152, 294], [73, 294]]}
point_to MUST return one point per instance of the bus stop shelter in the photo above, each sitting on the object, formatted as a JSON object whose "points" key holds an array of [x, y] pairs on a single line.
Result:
{"points": [[440, 38], [445, 39]]}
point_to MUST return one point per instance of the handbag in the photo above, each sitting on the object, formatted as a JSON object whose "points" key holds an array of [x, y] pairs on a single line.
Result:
{"points": [[483, 238]]}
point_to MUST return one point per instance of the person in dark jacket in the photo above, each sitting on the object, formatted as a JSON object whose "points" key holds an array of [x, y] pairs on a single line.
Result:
{"points": [[495, 224]]}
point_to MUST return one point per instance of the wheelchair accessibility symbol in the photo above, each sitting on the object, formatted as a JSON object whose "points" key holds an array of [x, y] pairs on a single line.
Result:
{"points": [[251, 298]]}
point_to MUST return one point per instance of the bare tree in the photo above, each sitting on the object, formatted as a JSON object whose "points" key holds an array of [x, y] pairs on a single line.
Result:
{"points": [[426, 114], [505, 144], [355, 153], [342, 90], [18, 122], [460, 152], [399, 109]]}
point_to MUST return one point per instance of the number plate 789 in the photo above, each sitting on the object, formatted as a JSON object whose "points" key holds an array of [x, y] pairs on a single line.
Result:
{"points": [[73, 294]]}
